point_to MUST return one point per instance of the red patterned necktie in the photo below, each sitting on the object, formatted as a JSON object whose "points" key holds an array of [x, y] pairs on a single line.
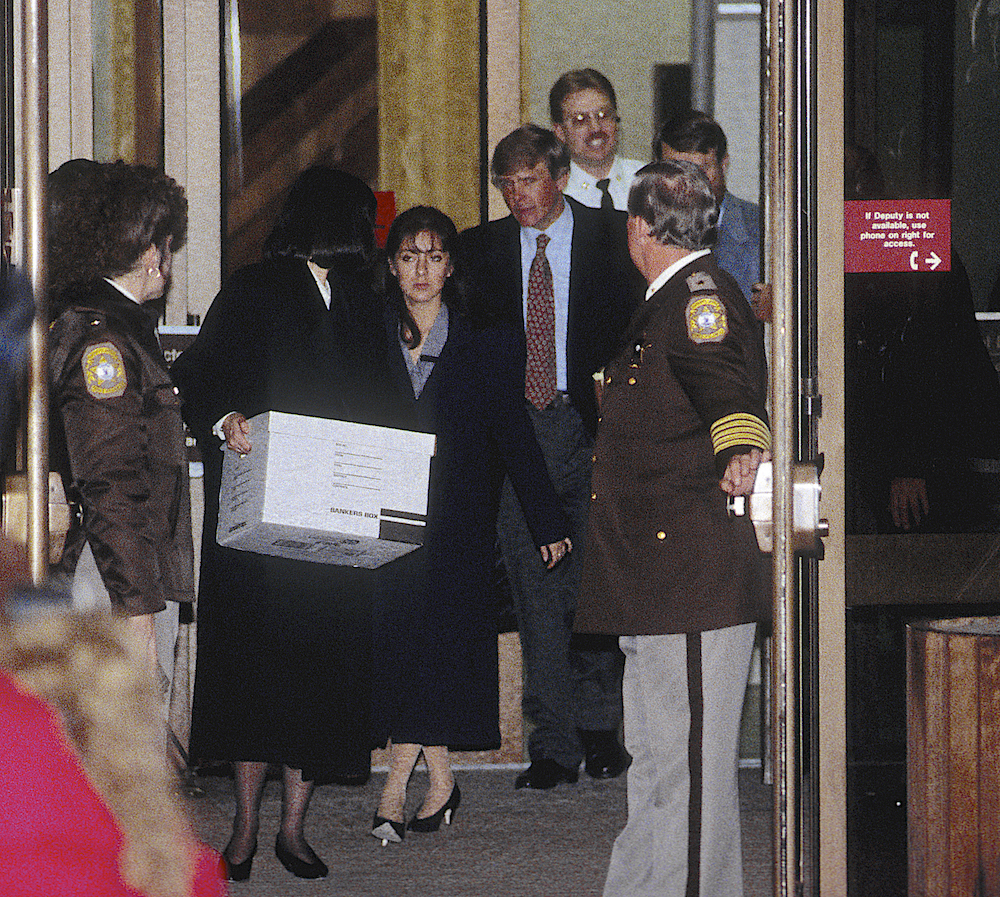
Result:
{"points": [[540, 331]]}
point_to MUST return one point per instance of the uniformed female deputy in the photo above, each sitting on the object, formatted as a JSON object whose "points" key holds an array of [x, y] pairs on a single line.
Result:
{"points": [[117, 435]]}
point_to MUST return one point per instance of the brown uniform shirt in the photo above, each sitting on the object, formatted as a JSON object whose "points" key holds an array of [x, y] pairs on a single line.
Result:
{"points": [[686, 394], [118, 440]]}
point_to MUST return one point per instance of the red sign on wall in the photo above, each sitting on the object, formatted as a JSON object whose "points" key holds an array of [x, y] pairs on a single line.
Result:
{"points": [[385, 214], [897, 235]]}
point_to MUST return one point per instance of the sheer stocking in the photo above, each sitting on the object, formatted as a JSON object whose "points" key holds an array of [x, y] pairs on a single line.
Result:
{"points": [[294, 804], [250, 779], [441, 780]]}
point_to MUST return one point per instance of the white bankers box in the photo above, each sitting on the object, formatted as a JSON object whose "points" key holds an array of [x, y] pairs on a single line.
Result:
{"points": [[326, 491]]}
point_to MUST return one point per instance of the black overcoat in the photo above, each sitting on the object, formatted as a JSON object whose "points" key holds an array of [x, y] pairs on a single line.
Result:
{"points": [[604, 288], [284, 647]]}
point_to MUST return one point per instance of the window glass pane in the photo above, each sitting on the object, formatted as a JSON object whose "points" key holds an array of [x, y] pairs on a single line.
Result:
{"points": [[300, 82]]}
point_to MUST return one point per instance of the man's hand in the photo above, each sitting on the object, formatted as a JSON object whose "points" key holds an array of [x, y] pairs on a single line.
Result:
{"points": [[553, 553], [742, 471], [908, 501], [237, 430]]}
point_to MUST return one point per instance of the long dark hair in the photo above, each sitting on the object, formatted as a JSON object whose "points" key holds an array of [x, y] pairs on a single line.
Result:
{"points": [[407, 226], [329, 218]]}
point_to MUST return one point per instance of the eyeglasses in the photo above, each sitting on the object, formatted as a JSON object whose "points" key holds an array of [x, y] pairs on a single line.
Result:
{"points": [[599, 117], [505, 184]]}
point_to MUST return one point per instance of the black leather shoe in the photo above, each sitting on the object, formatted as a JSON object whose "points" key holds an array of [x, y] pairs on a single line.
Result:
{"points": [[236, 871], [299, 868], [387, 830], [445, 814], [604, 757], [544, 774]]}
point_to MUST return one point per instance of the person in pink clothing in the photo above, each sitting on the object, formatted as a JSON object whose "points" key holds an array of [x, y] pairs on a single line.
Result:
{"points": [[88, 807]]}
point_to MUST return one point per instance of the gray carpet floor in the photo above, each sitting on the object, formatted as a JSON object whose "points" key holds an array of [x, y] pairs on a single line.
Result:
{"points": [[503, 843]]}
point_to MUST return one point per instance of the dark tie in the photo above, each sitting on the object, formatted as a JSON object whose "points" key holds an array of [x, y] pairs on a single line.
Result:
{"points": [[540, 331], [606, 202]]}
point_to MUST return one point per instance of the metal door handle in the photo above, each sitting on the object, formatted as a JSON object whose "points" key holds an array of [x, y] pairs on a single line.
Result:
{"points": [[808, 528]]}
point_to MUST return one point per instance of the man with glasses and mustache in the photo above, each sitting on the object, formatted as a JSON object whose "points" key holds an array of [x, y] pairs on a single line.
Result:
{"points": [[584, 113]]}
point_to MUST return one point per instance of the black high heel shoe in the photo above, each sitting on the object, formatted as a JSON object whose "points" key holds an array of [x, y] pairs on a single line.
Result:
{"points": [[299, 868], [446, 813], [388, 830], [237, 871]]}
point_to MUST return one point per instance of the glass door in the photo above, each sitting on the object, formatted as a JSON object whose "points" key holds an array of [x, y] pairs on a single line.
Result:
{"points": [[922, 401]]}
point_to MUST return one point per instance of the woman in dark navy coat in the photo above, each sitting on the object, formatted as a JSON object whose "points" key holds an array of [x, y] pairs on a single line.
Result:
{"points": [[284, 646], [436, 684]]}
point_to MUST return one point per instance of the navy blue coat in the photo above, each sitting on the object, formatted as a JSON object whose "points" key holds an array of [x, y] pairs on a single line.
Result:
{"points": [[604, 289], [738, 248], [435, 614]]}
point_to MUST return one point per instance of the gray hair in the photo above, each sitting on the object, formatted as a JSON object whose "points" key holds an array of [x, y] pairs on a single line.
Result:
{"points": [[675, 199]]}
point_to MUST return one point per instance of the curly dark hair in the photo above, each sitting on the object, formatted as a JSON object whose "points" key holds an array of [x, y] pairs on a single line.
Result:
{"points": [[103, 217], [407, 226]]}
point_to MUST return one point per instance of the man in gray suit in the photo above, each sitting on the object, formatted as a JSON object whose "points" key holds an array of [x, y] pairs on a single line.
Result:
{"points": [[693, 136]]}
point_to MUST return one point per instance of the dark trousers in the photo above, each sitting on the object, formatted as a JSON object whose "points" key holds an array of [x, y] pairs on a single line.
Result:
{"points": [[565, 686]]}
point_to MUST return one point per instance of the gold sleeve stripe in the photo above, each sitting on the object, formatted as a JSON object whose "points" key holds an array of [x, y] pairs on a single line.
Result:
{"points": [[740, 429]]}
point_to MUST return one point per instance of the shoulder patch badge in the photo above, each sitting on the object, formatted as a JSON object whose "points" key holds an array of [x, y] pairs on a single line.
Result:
{"points": [[701, 281], [104, 371], [706, 320]]}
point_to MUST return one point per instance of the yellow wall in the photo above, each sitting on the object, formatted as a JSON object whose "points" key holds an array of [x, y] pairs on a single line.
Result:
{"points": [[429, 104]]}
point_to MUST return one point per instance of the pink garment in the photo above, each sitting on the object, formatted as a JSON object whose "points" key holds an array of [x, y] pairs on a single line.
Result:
{"points": [[57, 836]]}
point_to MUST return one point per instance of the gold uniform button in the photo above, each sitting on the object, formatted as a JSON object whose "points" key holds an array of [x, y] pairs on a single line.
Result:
{"points": [[593, 459], [607, 380], [631, 381], [593, 496], [661, 535]]}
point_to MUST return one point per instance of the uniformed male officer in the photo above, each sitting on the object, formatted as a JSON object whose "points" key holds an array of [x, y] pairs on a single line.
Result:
{"points": [[667, 569]]}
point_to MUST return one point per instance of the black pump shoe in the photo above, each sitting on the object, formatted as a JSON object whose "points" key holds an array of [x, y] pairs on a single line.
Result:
{"points": [[237, 871], [299, 868], [446, 813], [388, 830]]}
